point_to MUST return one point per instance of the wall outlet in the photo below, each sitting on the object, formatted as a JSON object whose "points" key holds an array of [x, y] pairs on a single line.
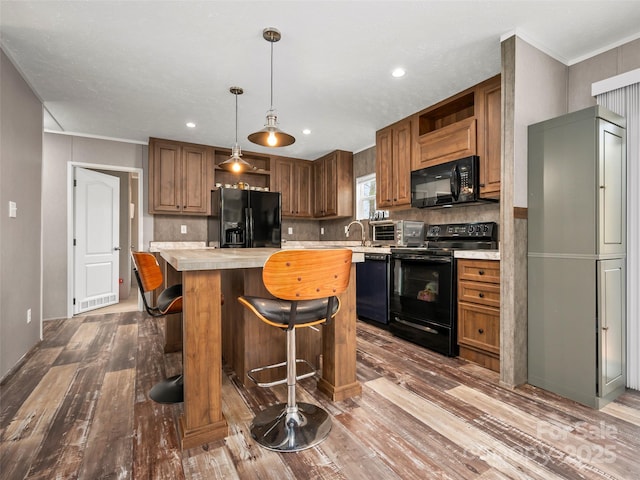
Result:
{"points": [[28, 315], [321, 230], [183, 229], [290, 230], [346, 231]]}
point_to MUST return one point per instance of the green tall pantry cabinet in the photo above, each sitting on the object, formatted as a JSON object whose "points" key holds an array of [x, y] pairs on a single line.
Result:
{"points": [[576, 255]]}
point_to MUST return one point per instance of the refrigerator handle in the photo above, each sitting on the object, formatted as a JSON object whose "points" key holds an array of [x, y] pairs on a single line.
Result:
{"points": [[248, 242]]}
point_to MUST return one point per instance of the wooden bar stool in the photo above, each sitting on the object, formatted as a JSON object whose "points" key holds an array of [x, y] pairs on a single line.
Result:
{"points": [[306, 284], [149, 277]]}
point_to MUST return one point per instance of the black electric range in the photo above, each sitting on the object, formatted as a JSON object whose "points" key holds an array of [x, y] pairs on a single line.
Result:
{"points": [[423, 298]]}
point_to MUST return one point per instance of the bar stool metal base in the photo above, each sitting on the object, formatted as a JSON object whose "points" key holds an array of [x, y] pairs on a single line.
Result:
{"points": [[170, 390], [277, 430]]}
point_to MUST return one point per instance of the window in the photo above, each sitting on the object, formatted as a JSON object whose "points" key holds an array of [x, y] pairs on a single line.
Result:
{"points": [[365, 196]]}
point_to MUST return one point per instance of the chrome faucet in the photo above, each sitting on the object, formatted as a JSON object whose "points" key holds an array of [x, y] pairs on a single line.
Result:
{"points": [[356, 222]]}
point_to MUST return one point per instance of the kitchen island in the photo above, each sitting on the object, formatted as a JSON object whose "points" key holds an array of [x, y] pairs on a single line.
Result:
{"points": [[211, 330]]}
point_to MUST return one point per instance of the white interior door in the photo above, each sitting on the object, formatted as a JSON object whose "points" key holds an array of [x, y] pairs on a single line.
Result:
{"points": [[96, 236]]}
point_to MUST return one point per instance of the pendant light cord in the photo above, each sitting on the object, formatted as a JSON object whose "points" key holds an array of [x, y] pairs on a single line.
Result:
{"points": [[271, 75], [236, 118]]}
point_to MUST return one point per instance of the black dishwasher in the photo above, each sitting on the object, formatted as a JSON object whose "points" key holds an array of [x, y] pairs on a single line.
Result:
{"points": [[372, 288]]}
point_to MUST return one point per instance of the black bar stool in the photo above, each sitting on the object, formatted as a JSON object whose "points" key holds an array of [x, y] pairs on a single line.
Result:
{"points": [[306, 284]]}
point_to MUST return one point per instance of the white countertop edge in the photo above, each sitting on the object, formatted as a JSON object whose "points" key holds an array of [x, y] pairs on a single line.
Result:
{"points": [[477, 254]]}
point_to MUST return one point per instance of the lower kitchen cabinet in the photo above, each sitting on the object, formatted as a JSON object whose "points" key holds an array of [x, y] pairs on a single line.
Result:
{"points": [[479, 312]]}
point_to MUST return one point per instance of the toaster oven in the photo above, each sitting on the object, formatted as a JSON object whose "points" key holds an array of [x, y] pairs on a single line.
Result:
{"points": [[397, 233]]}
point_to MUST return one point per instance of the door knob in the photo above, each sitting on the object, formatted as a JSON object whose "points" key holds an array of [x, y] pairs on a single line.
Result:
{"points": [[116, 248]]}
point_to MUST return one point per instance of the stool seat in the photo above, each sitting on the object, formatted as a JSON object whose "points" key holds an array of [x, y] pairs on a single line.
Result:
{"points": [[277, 312], [170, 300]]}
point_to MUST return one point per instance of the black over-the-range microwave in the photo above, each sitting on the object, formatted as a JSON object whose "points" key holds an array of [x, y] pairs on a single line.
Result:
{"points": [[449, 183]]}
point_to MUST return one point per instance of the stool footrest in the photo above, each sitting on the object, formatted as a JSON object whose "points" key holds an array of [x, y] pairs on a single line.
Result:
{"points": [[281, 381]]}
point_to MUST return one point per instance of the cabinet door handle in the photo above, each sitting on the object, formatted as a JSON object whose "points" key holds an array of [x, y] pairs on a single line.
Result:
{"points": [[480, 330], [481, 295], [178, 207], [480, 272], [605, 328]]}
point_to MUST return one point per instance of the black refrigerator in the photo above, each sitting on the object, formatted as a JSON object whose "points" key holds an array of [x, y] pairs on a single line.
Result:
{"points": [[244, 219]]}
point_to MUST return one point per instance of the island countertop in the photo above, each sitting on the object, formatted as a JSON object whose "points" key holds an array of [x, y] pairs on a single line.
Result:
{"points": [[224, 258]]}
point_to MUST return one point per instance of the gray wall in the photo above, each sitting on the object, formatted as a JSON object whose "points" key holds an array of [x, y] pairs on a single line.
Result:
{"points": [[20, 238], [605, 65], [58, 151]]}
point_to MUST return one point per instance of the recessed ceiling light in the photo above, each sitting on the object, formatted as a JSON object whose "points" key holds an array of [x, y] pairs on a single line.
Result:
{"points": [[306, 131], [191, 125], [398, 72]]}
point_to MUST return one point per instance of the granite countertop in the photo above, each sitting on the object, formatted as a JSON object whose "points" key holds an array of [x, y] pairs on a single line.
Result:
{"points": [[477, 254], [209, 258]]}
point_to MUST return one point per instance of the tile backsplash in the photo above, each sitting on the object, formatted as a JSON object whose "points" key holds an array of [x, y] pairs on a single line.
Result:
{"points": [[167, 228]]}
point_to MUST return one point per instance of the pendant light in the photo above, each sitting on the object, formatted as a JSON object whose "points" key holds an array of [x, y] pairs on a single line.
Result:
{"points": [[235, 163], [271, 135]]}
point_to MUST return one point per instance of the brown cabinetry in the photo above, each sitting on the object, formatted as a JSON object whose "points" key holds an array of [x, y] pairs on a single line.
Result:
{"points": [[292, 177], [333, 185], [479, 311], [468, 123], [393, 165], [180, 177], [489, 101], [446, 131]]}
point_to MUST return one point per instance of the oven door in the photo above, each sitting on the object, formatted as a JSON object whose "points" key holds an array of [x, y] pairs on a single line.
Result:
{"points": [[422, 300]]}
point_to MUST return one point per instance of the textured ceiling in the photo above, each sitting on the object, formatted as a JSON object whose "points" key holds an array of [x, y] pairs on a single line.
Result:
{"points": [[131, 70]]}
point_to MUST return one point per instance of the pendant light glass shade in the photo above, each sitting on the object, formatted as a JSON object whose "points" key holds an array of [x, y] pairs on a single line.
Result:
{"points": [[235, 163], [271, 135]]}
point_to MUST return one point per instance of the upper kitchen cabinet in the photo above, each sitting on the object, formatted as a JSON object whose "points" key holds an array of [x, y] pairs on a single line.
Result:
{"points": [[393, 165], [489, 135], [333, 185], [446, 131], [180, 177], [292, 177], [468, 123]]}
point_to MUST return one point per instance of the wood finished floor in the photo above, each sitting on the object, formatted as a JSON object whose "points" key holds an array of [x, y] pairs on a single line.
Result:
{"points": [[78, 408]]}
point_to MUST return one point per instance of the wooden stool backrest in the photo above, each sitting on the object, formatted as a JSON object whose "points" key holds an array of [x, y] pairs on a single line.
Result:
{"points": [[298, 274], [148, 270]]}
